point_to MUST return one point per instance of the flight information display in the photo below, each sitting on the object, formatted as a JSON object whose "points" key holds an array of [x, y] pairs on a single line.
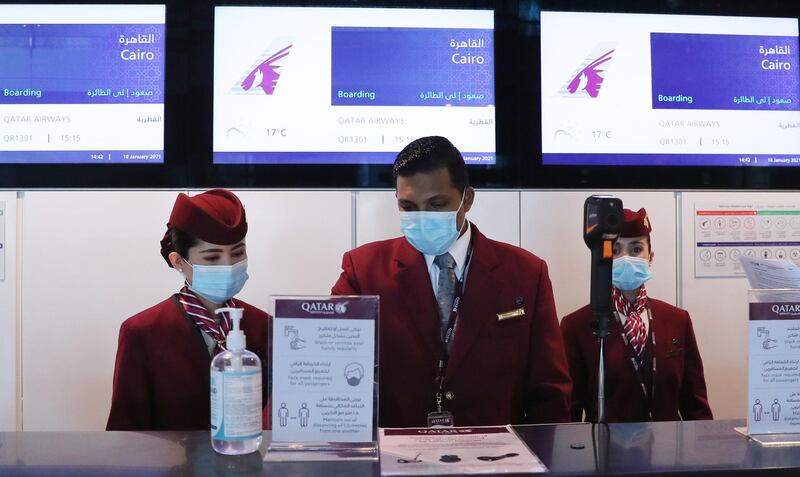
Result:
{"points": [[82, 84], [303, 85], [669, 90]]}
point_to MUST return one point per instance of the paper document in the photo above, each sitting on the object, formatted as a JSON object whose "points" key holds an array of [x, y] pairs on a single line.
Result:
{"points": [[455, 450], [770, 274]]}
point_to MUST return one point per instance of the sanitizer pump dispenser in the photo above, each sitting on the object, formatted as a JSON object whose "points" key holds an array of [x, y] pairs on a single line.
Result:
{"points": [[235, 394]]}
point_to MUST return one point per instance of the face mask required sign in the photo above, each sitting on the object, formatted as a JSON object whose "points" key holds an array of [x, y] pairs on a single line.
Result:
{"points": [[774, 362], [324, 387]]}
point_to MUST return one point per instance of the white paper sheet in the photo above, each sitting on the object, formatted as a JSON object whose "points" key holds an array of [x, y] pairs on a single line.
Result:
{"points": [[770, 274], [455, 450]]}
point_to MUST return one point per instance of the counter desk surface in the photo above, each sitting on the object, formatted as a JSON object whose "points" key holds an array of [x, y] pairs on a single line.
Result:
{"points": [[692, 448]]}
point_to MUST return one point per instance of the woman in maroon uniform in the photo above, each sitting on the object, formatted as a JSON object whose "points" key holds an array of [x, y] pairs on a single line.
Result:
{"points": [[653, 367], [161, 376]]}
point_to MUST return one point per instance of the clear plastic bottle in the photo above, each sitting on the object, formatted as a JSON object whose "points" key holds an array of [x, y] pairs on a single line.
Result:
{"points": [[236, 405]]}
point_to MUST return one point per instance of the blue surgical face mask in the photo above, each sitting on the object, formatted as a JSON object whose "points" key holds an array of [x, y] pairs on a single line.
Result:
{"points": [[218, 283], [432, 233], [630, 273]]}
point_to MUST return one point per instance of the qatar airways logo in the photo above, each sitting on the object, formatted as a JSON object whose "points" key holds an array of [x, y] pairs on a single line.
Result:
{"points": [[263, 76], [444, 431], [325, 307], [786, 309], [587, 79]]}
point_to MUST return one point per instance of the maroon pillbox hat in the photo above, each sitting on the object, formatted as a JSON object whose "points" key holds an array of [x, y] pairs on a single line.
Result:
{"points": [[635, 224], [216, 216]]}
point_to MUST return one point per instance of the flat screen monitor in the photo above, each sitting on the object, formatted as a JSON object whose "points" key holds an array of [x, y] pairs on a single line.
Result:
{"points": [[82, 84], [669, 90], [307, 85]]}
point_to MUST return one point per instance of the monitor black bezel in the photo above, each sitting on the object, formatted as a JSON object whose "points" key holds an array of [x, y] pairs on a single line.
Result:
{"points": [[170, 173], [189, 106], [538, 175], [503, 174]]}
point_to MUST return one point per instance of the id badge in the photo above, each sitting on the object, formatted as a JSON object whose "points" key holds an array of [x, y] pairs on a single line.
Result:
{"points": [[440, 419]]}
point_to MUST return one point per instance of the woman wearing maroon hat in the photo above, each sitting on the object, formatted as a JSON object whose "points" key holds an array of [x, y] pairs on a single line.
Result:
{"points": [[161, 376], [653, 367]]}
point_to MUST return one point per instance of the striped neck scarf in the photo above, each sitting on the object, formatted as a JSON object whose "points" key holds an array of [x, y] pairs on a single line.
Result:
{"points": [[205, 319], [634, 326]]}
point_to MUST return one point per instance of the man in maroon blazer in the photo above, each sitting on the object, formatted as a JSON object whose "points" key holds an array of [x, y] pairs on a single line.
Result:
{"points": [[505, 359], [162, 371], [653, 368]]}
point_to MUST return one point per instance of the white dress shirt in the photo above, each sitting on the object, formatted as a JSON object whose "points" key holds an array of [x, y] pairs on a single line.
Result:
{"points": [[211, 343]]}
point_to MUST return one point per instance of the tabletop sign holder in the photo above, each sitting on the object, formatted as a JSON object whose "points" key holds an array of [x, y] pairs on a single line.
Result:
{"points": [[773, 414], [324, 378]]}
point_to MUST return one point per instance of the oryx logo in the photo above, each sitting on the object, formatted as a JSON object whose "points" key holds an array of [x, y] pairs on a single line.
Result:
{"points": [[263, 76], [588, 77], [341, 308]]}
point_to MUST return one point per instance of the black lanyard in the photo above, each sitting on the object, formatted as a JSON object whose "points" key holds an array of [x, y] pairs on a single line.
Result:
{"points": [[638, 364], [447, 336]]}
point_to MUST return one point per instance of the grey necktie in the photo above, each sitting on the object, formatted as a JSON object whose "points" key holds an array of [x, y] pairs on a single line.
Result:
{"points": [[446, 288]]}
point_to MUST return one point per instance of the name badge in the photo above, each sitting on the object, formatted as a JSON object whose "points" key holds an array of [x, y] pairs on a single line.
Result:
{"points": [[510, 314], [440, 419], [671, 353]]}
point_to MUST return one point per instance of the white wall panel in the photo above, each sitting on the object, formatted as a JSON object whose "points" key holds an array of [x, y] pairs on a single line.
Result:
{"points": [[89, 261], [295, 242], [719, 310], [8, 320], [551, 228], [376, 216], [94, 255], [496, 213]]}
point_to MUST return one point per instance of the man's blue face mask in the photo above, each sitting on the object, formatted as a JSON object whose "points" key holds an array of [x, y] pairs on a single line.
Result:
{"points": [[432, 233]]}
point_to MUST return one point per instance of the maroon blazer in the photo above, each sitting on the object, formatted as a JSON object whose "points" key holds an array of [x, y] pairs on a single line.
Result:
{"points": [[499, 372], [162, 372], [679, 387]]}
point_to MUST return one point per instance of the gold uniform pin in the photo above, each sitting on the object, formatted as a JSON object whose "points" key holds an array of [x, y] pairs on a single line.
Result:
{"points": [[510, 314]]}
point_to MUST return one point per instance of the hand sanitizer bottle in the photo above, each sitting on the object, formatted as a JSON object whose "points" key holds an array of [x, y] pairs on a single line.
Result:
{"points": [[235, 394]]}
